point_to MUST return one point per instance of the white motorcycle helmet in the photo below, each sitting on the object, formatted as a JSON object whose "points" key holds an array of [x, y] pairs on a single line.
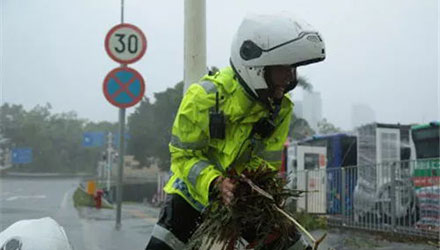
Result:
{"points": [[35, 234], [266, 40]]}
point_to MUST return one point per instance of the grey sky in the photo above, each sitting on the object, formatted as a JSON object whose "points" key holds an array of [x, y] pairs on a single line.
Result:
{"points": [[383, 53]]}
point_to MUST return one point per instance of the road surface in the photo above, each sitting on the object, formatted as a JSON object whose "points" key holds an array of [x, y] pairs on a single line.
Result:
{"points": [[92, 229], [86, 228]]}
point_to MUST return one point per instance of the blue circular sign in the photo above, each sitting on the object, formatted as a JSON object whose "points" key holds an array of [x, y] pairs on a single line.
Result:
{"points": [[124, 87]]}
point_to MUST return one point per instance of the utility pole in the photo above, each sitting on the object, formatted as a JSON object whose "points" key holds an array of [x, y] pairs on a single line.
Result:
{"points": [[194, 41]]}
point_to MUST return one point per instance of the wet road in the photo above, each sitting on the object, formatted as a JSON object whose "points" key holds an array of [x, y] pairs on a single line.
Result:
{"points": [[86, 228], [29, 198], [92, 229]]}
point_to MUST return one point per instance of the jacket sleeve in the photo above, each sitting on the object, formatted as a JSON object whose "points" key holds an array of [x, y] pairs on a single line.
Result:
{"points": [[271, 153], [190, 141]]}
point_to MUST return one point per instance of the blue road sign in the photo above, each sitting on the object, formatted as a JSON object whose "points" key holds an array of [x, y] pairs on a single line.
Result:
{"points": [[21, 155], [93, 139], [124, 87]]}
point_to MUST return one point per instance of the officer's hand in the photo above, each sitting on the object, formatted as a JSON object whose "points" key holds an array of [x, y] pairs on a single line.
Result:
{"points": [[226, 187]]}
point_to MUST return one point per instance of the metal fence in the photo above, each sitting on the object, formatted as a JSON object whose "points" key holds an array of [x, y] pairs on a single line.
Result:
{"points": [[401, 197]]}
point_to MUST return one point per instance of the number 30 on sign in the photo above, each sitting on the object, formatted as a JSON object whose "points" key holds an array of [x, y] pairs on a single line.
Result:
{"points": [[125, 43]]}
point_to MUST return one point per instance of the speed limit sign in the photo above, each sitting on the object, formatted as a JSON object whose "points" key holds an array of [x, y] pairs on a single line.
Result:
{"points": [[125, 43]]}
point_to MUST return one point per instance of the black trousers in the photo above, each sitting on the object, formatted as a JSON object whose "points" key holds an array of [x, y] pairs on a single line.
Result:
{"points": [[181, 219]]}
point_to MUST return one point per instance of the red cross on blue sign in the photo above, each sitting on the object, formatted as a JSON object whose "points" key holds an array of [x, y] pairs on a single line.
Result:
{"points": [[124, 87]]}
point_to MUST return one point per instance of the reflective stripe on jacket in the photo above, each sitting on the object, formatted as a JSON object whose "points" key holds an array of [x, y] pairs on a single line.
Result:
{"points": [[196, 159]]}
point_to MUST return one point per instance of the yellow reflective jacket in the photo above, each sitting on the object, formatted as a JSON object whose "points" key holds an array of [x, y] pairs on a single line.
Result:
{"points": [[196, 159]]}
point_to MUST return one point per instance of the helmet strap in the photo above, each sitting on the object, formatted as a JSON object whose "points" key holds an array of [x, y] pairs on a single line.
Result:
{"points": [[291, 86]]}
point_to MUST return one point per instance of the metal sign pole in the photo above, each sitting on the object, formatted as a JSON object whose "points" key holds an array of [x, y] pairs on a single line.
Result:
{"points": [[116, 48], [121, 152], [122, 11], [120, 168]]}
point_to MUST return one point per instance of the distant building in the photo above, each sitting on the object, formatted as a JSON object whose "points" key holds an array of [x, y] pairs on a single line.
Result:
{"points": [[361, 114], [298, 109], [312, 108]]}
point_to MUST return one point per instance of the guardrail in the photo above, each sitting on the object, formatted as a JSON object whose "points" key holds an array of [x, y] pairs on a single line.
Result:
{"points": [[401, 197]]}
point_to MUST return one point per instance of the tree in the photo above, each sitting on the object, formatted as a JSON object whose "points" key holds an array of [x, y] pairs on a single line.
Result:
{"points": [[300, 129], [325, 127], [55, 139], [12, 119], [150, 126], [304, 83]]}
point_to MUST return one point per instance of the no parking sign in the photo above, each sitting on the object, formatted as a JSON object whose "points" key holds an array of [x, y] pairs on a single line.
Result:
{"points": [[124, 87]]}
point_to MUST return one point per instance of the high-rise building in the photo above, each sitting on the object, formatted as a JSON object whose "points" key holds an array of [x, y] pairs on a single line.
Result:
{"points": [[312, 108], [361, 114]]}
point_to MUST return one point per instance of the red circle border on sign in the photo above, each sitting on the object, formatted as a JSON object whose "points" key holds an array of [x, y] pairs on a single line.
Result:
{"points": [[131, 26], [135, 100]]}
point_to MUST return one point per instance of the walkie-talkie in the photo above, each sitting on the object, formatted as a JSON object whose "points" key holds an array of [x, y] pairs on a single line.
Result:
{"points": [[217, 125]]}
